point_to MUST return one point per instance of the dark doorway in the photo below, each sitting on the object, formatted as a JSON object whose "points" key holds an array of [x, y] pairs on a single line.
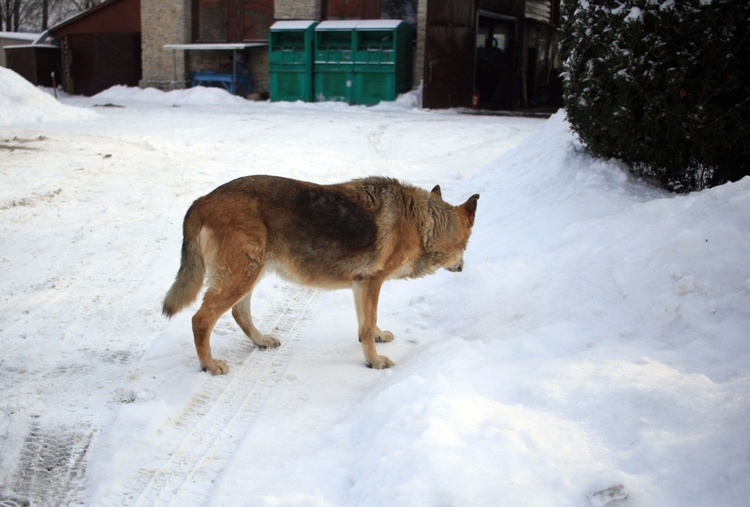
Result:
{"points": [[449, 54], [532, 55], [494, 57], [97, 61]]}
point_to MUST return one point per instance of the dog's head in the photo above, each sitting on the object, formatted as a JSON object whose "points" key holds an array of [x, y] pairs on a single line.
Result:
{"points": [[456, 237]]}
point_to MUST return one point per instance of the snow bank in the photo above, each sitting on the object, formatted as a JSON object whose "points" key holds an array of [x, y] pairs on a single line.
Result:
{"points": [[200, 95], [21, 102], [214, 96], [597, 349], [593, 353]]}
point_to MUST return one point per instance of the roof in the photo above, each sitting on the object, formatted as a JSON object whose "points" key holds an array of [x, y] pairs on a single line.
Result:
{"points": [[292, 25], [217, 46], [110, 16], [346, 24], [359, 24], [35, 46], [379, 24], [20, 36]]}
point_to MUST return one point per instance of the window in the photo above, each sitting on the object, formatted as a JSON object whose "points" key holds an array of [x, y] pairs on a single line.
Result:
{"points": [[211, 21], [257, 19], [231, 20], [352, 9]]}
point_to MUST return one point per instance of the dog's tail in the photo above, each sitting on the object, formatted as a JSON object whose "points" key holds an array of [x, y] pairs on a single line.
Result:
{"points": [[189, 279]]}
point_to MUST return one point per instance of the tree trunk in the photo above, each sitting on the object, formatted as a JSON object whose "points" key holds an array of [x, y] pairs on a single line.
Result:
{"points": [[45, 15], [16, 15]]}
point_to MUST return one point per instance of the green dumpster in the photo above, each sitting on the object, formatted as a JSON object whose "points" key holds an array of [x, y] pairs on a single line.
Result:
{"points": [[382, 60], [334, 63], [291, 47]]}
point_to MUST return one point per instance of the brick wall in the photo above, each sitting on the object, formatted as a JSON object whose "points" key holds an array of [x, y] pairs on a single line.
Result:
{"points": [[296, 9], [168, 22], [418, 62], [164, 22]]}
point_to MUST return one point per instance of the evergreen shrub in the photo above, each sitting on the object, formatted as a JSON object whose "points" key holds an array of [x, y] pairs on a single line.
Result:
{"points": [[663, 85]]}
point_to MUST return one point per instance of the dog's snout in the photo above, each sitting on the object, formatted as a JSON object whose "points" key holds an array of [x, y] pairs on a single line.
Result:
{"points": [[456, 268]]}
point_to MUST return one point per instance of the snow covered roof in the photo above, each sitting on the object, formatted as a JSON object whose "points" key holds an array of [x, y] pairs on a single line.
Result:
{"points": [[344, 24], [359, 24], [20, 36], [378, 24], [292, 25], [22, 46]]}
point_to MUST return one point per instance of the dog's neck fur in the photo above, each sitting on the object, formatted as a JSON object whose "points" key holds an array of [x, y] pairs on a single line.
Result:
{"points": [[437, 221], [436, 226]]}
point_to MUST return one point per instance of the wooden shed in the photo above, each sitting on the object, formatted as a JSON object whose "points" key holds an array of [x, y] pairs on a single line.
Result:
{"points": [[101, 47], [497, 54], [38, 63], [30, 56]]}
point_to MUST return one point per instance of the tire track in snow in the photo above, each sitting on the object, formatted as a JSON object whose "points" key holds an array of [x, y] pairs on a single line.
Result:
{"points": [[53, 468], [49, 466], [212, 424]]}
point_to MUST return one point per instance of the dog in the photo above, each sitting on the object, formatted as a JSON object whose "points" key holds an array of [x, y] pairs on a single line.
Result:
{"points": [[355, 234]]}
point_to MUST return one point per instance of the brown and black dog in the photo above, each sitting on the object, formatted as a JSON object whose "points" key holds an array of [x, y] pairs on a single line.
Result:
{"points": [[355, 234]]}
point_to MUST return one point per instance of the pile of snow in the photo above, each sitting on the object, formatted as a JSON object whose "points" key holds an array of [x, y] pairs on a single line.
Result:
{"points": [[594, 351], [597, 348], [200, 95], [21, 102], [215, 96]]}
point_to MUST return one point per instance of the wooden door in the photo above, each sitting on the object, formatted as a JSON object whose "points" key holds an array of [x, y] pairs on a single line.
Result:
{"points": [[449, 54]]}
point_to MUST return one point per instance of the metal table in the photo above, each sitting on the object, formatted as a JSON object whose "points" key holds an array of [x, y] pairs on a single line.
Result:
{"points": [[218, 46]]}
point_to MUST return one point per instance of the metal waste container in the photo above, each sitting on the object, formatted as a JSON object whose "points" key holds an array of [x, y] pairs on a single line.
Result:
{"points": [[291, 47], [334, 62], [382, 60]]}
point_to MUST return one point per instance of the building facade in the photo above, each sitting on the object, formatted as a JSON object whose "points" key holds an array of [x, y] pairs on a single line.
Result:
{"points": [[495, 54], [101, 47]]}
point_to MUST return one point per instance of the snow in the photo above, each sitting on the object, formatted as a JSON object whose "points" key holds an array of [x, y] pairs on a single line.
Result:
{"points": [[293, 25], [19, 36], [21, 102], [379, 24], [368, 24], [636, 14], [344, 24], [593, 352]]}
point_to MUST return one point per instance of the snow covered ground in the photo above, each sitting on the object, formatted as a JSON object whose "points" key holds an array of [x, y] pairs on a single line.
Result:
{"points": [[594, 351]]}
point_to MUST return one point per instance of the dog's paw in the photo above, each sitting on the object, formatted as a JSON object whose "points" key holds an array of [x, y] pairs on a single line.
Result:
{"points": [[267, 342], [383, 336], [382, 363], [217, 367]]}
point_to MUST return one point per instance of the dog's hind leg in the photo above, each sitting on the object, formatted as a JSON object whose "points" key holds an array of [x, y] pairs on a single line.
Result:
{"points": [[215, 303], [235, 271], [241, 314], [366, 295]]}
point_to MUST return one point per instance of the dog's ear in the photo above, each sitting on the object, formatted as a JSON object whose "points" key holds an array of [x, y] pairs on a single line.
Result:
{"points": [[470, 207], [437, 191]]}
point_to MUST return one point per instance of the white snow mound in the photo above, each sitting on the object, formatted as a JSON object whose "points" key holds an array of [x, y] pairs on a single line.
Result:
{"points": [[22, 102]]}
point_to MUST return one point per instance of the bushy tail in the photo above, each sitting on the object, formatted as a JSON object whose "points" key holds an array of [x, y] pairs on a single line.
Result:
{"points": [[189, 279]]}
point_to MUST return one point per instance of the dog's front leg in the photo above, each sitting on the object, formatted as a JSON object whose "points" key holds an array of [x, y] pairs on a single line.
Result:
{"points": [[366, 294]]}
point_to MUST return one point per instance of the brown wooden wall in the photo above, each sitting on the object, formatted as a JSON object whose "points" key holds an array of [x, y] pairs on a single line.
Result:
{"points": [[35, 63], [93, 62], [108, 17], [449, 54]]}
